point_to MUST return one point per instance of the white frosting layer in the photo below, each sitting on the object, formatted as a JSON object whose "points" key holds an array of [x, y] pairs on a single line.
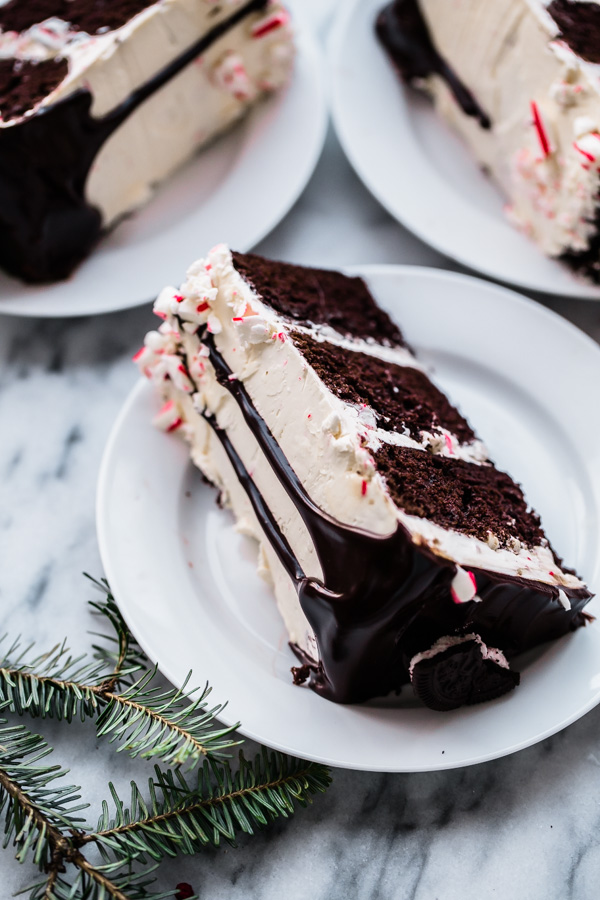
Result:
{"points": [[537, 93], [328, 442], [195, 106], [445, 643]]}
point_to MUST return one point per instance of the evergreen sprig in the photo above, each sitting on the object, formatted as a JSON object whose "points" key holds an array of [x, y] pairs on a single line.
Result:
{"points": [[119, 691], [180, 814], [32, 804], [184, 818]]}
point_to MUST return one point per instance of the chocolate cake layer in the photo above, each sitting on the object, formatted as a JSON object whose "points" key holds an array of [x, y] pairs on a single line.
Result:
{"points": [[402, 397], [471, 499], [319, 296], [24, 83], [579, 24], [83, 15]]}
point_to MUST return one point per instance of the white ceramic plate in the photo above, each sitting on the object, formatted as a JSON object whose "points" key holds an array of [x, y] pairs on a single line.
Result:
{"points": [[187, 583], [236, 190], [420, 171]]}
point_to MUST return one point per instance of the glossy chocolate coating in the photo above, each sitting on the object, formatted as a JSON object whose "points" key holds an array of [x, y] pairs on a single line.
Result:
{"points": [[384, 599], [403, 32]]}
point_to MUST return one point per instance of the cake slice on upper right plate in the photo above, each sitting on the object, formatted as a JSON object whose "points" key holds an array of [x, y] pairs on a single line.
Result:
{"points": [[520, 81]]}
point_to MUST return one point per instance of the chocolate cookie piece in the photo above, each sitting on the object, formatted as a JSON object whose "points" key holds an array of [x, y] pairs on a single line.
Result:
{"points": [[461, 675]]}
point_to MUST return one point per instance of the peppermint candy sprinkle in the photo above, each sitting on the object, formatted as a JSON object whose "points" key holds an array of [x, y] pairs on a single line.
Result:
{"points": [[463, 587], [168, 418]]}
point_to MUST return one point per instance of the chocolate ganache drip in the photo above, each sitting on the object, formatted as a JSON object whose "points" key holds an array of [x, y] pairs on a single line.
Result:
{"points": [[403, 31], [383, 598], [47, 225]]}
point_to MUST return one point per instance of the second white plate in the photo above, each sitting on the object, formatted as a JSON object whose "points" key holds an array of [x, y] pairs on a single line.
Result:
{"points": [[187, 583], [421, 171], [238, 188]]}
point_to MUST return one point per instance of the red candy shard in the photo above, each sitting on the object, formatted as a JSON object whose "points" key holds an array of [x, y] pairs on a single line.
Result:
{"points": [[539, 127], [175, 425], [270, 24], [456, 598], [583, 152]]}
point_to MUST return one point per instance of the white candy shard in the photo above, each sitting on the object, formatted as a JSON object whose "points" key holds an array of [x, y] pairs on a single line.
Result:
{"points": [[464, 586]]}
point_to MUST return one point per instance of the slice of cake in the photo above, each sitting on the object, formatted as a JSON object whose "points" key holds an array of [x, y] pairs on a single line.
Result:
{"points": [[518, 79], [397, 551], [99, 102]]}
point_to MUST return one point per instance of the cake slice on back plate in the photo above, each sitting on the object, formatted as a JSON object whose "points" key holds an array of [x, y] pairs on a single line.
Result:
{"points": [[100, 102], [397, 551], [519, 80]]}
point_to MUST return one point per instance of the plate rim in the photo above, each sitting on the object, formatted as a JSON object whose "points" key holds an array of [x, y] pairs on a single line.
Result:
{"points": [[308, 47], [142, 386], [577, 289]]}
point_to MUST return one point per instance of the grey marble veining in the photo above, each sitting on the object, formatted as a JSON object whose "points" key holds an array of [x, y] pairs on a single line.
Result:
{"points": [[521, 828]]}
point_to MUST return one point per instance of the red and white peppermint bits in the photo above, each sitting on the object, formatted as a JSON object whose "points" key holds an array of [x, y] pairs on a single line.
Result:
{"points": [[464, 586], [540, 130], [168, 418], [270, 23]]}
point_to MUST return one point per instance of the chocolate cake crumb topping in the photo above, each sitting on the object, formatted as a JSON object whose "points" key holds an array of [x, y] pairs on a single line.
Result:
{"points": [[458, 495], [24, 83], [402, 397], [579, 24], [320, 297], [83, 15], [300, 674]]}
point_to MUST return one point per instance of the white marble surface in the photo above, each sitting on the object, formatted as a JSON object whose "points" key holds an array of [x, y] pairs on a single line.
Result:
{"points": [[522, 828]]}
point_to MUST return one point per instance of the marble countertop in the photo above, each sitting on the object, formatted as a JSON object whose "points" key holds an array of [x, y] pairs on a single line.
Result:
{"points": [[520, 828]]}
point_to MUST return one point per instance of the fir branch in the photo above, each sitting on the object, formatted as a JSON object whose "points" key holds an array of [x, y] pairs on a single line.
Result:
{"points": [[129, 657], [147, 719], [118, 689], [177, 819], [97, 883], [52, 685], [180, 818], [168, 723], [36, 811], [61, 686], [40, 822]]}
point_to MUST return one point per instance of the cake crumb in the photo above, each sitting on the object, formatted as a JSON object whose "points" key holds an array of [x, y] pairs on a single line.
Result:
{"points": [[300, 674]]}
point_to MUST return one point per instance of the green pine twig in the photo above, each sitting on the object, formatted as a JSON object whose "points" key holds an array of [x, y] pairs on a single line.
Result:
{"points": [[180, 818], [179, 815], [120, 692]]}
